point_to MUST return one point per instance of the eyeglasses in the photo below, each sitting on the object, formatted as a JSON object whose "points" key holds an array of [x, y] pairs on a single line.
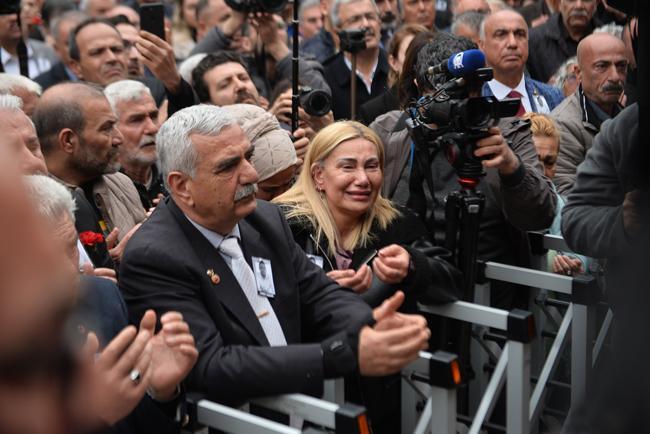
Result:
{"points": [[355, 20]]}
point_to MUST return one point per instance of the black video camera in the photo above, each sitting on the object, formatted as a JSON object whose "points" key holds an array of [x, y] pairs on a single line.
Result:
{"points": [[453, 118], [9, 7], [247, 6], [315, 102], [353, 40]]}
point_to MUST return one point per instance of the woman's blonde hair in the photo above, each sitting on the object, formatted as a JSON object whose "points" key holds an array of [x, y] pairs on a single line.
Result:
{"points": [[305, 201], [542, 125]]}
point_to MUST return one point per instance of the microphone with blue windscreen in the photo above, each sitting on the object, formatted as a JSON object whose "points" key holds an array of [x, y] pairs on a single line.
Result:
{"points": [[461, 64]]}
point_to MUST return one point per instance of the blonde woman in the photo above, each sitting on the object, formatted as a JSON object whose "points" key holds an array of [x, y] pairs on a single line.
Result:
{"points": [[339, 217]]}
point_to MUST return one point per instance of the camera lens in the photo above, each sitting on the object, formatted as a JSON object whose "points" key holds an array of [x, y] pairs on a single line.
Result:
{"points": [[316, 102]]}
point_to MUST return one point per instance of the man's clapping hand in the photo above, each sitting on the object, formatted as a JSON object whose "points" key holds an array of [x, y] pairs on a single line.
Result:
{"points": [[394, 341]]}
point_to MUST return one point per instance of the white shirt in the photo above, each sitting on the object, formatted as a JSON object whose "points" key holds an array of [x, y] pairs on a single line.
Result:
{"points": [[501, 91], [363, 79], [215, 239], [37, 65]]}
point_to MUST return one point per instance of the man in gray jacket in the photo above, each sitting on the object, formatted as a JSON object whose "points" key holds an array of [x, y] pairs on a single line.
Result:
{"points": [[518, 196], [602, 73]]}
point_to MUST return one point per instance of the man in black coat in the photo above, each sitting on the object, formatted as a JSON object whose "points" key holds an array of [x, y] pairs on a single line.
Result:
{"points": [[550, 44], [372, 63], [195, 253]]}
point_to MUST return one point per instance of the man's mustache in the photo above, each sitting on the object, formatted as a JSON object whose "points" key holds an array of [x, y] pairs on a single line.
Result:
{"points": [[245, 191], [579, 13], [388, 17], [613, 87], [146, 140]]}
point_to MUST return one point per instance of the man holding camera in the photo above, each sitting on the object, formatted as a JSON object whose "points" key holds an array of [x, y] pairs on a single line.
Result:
{"points": [[349, 17], [518, 197]]}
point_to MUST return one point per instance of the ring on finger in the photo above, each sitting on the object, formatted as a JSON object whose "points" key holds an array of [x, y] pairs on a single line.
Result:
{"points": [[135, 375]]}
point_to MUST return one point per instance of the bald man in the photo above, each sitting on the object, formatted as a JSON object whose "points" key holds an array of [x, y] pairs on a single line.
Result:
{"points": [[80, 141], [602, 70], [503, 37]]}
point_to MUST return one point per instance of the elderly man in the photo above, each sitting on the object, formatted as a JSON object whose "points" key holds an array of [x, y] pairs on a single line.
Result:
{"points": [[602, 71], [22, 87], [290, 339], [33, 304], [19, 137], [372, 62], [557, 39], [77, 130], [504, 40], [137, 121], [105, 393]]}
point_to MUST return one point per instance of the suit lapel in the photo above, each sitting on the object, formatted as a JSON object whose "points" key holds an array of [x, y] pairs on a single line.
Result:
{"points": [[530, 89], [227, 289]]}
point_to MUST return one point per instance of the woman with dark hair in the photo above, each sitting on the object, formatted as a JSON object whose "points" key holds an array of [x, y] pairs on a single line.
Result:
{"points": [[339, 217]]}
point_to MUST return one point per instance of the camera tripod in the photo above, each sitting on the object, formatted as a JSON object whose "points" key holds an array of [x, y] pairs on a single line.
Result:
{"points": [[463, 212]]}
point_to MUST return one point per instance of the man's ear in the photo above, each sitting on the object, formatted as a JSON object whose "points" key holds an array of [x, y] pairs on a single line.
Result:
{"points": [[76, 68], [68, 141], [179, 186], [578, 72]]}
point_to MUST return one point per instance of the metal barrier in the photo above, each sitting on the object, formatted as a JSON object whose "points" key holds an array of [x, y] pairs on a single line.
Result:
{"points": [[325, 416], [434, 378], [519, 326]]}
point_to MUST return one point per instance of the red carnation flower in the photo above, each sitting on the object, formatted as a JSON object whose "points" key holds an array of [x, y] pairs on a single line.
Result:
{"points": [[90, 238]]}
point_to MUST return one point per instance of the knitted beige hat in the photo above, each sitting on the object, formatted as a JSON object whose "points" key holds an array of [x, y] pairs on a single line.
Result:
{"points": [[274, 150]]}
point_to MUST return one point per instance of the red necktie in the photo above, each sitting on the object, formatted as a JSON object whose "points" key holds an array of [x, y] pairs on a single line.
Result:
{"points": [[515, 94]]}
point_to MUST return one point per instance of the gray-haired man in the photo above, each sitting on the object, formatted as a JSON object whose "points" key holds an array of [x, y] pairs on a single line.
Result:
{"points": [[196, 254], [137, 120]]}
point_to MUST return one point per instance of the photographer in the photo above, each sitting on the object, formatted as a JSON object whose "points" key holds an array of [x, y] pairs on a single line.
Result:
{"points": [[372, 62], [276, 62], [518, 196]]}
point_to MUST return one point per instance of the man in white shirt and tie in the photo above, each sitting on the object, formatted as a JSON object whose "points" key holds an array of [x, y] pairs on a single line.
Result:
{"points": [[504, 40]]}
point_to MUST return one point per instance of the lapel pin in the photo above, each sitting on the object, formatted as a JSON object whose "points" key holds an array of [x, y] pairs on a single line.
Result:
{"points": [[214, 277]]}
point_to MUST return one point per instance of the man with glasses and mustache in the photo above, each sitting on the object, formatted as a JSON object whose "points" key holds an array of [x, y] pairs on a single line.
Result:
{"points": [[557, 39], [372, 62], [602, 71], [137, 120]]}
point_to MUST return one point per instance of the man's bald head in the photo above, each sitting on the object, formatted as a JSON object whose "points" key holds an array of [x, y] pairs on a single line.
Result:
{"points": [[504, 40], [602, 68], [60, 108]]}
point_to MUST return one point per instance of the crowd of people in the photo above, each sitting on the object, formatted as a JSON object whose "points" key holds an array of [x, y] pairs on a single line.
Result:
{"points": [[168, 227]]}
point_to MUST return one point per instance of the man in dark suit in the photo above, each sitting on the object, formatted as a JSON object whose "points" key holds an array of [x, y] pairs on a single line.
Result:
{"points": [[196, 253], [61, 27], [504, 40], [372, 62]]}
